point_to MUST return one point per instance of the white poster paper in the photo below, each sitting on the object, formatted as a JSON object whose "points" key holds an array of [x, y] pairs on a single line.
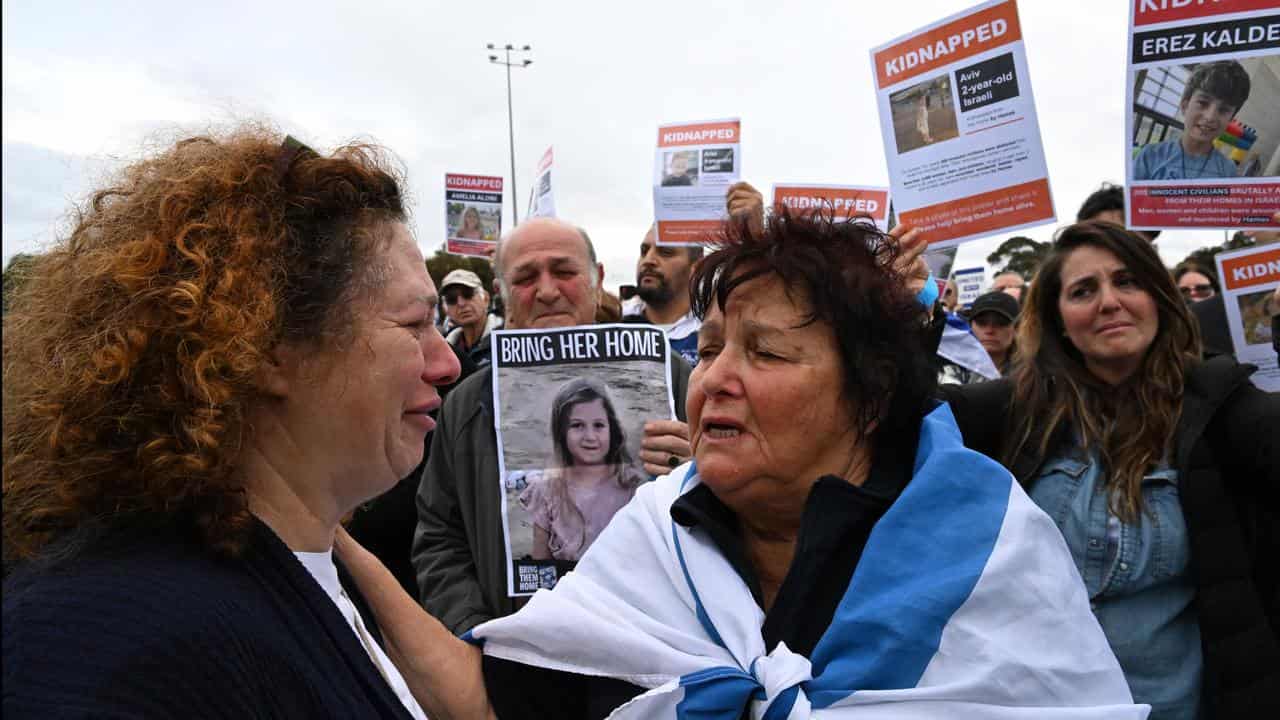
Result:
{"points": [[1202, 131], [960, 130], [570, 406], [693, 168], [1249, 281], [542, 202], [473, 214], [969, 284]]}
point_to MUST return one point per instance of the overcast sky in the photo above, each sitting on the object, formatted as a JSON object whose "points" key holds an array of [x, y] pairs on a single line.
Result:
{"points": [[88, 85]]}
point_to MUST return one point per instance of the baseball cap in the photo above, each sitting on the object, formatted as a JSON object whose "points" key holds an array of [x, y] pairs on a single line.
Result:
{"points": [[465, 278], [999, 302]]}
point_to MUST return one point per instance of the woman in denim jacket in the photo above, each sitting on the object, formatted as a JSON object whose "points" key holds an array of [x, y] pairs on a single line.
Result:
{"points": [[1162, 471]]}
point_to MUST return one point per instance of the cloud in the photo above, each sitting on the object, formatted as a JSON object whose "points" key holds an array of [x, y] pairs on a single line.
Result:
{"points": [[90, 83]]}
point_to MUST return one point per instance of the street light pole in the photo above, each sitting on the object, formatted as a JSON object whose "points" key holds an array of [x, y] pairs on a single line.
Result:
{"points": [[511, 130]]}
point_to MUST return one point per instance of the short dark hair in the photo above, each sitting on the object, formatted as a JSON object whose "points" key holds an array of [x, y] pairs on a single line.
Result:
{"points": [[844, 271], [1224, 79], [1108, 197]]}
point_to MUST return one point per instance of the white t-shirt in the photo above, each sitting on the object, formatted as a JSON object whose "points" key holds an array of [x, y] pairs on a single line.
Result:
{"points": [[321, 567]]}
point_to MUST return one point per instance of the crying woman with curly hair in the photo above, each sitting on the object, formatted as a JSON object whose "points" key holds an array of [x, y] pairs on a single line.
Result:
{"points": [[233, 348]]}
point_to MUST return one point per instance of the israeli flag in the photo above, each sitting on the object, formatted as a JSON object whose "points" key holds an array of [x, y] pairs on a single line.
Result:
{"points": [[964, 605], [960, 347]]}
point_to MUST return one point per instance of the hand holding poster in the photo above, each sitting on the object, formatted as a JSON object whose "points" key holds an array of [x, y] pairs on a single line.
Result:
{"points": [[960, 130], [1202, 133], [843, 201], [693, 168], [541, 201], [569, 410], [1249, 281], [473, 214]]}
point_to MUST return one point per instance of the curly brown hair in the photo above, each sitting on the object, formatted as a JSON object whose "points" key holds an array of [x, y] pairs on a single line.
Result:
{"points": [[1131, 425], [131, 354]]}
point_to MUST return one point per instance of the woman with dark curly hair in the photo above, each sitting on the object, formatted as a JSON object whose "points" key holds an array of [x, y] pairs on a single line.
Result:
{"points": [[232, 350], [832, 551]]}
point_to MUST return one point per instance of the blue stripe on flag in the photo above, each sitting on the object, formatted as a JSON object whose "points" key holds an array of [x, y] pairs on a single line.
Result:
{"points": [[718, 693], [920, 564], [697, 601]]}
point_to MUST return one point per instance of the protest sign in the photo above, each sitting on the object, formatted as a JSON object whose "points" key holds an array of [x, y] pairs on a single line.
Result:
{"points": [[960, 130], [472, 214], [541, 202], [570, 406], [693, 168], [1202, 135], [842, 201], [969, 283], [1249, 281]]}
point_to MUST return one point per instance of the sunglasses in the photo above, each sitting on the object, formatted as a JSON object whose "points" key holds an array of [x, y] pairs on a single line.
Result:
{"points": [[453, 296], [1195, 290]]}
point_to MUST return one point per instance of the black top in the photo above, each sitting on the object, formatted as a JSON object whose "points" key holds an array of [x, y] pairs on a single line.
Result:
{"points": [[146, 623], [834, 528]]}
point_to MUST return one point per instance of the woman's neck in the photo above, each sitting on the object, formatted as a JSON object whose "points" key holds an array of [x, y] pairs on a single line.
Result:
{"points": [[295, 509], [770, 552], [770, 534]]}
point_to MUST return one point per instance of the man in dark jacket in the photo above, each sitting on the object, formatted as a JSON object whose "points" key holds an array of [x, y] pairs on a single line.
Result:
{"points": [[550, 278]]}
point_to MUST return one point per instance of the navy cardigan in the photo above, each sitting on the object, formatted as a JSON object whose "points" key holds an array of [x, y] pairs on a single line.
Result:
{"points": [[149, 624]]}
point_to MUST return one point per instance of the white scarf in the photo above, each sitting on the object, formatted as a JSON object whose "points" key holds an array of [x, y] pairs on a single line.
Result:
{"points": [[965, 604]]}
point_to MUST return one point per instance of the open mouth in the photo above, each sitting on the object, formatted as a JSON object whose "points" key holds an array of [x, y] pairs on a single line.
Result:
{"points": [[721, 429]]}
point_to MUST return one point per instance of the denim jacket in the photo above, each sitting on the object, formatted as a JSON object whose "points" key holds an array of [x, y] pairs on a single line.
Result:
{"points": [[1137, 578]]}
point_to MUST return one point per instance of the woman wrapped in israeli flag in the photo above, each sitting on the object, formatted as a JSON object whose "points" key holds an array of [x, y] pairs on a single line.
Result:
{"points": [[833, 550]]}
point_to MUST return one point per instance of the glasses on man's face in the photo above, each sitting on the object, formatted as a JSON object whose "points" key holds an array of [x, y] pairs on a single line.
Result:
{"points": [[453, 296], [1197, 291]]}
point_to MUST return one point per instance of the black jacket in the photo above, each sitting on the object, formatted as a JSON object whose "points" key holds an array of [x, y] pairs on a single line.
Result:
{"points": [[147, 623], [1227, 454]]}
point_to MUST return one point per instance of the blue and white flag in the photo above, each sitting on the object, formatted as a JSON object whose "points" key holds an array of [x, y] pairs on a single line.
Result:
{"points": [[965, 604], [960, 347]]}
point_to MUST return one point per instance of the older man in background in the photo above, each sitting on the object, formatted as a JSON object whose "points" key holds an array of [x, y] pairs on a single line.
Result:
{"points": [[550, 278], [467, 305]]}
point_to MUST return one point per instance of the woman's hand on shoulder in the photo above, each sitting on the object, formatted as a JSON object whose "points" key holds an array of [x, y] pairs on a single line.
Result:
{"points": [[442, 671]]}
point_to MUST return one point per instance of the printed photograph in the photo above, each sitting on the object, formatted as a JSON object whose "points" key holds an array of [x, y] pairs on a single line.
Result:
{"points": [[1255, 316], [1207, 120], [680, 168], [923, 114], [474, 222], [571, 439], [717, 160]]}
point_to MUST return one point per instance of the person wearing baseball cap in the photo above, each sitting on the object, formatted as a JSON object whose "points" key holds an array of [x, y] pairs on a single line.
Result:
{"points": [[992, 317], [467, 305]]}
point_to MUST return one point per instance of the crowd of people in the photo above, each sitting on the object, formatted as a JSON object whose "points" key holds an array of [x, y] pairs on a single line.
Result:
{"points": [[238, 352]]}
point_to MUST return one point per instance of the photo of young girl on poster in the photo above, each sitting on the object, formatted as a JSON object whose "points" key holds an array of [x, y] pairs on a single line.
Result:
{"points": [[595, 475]]}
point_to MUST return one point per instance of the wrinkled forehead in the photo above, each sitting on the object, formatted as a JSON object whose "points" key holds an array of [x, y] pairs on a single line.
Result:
{"points": [[766, 298], [543, 245]]}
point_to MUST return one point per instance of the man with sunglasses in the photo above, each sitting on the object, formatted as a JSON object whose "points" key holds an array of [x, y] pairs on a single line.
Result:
{"points": [[467, 306]]}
